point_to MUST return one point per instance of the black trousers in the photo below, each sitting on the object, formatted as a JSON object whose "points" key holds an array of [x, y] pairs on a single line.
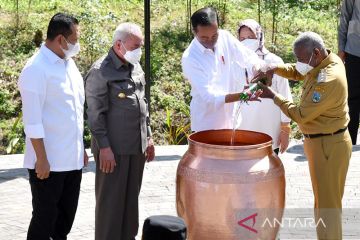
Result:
{"points": [[352, 64], [54, 202]]}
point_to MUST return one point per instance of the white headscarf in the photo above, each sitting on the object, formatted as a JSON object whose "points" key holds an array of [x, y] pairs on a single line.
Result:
{"points": [[255, 27]]}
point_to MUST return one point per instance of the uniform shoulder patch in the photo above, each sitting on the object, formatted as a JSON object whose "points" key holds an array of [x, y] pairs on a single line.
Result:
{"points": [[316, 97]]}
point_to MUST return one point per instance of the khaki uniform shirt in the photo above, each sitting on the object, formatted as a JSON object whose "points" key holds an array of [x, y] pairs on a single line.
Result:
{"points": [[117, 110], [323, 105]]}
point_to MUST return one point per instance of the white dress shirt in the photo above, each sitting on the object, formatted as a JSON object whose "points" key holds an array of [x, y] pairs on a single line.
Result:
{"points": [[52, 93], [211, 75], [264, 116]]}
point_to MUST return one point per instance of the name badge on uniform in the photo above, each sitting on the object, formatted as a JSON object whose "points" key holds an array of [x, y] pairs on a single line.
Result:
{"points": [[316, 97], [321, 76]]}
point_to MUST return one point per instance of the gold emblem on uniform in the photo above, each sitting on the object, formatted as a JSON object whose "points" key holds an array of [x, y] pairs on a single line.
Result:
{"points": [[122, 95], [319, 88]]}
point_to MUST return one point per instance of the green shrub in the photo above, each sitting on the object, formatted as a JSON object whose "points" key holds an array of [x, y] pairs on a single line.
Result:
{"points": [[170, 35]]}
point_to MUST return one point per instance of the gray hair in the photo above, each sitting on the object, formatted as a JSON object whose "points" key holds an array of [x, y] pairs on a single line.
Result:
{"points": [[310, 41], [124, 30]]}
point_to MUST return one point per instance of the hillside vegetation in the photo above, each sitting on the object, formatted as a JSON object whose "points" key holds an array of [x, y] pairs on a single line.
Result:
{"points": [[23, 26]]}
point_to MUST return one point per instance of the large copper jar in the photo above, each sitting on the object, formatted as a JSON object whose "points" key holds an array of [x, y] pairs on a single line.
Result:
{"points": [[228, 192]]}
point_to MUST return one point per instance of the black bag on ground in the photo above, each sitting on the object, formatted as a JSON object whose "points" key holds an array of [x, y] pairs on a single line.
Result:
{"points": [[164, 227]]}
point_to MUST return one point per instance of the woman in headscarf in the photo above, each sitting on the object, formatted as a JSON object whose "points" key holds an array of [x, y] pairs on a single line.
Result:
{"points": [[263, 116]]}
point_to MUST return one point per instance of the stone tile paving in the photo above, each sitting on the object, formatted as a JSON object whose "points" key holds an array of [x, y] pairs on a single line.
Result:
{"points": [[158, 192]]}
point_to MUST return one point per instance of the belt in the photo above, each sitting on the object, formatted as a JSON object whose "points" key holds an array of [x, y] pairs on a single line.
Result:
{"points": [[324, 134]]}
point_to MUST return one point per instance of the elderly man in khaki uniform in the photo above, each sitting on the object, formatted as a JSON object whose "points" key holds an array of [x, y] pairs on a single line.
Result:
{"points": [[322, 116], [119, 122]]}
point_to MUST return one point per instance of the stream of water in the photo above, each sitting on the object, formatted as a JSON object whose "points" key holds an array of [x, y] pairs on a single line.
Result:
{"points": [[236, 120]]}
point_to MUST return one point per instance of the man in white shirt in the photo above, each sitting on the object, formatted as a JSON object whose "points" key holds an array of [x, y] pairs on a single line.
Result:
{"points": [[208, 64], [52, 93]]}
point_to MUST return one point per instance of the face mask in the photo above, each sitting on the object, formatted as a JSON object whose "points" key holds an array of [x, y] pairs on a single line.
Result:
{"points": [[133, 56], [304, 68], [252, 44], [72, 50]]}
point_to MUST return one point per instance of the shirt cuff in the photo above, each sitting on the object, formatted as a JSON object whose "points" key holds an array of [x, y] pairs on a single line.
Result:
{"points": [[103, 142], [280, 68], [34, 131], [149, 132], [279, 100], [341, 46]]}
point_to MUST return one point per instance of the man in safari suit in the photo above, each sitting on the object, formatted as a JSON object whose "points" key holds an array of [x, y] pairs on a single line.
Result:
{"points": [[119, 122]]}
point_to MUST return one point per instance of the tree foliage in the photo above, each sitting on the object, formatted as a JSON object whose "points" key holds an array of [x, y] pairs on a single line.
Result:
{"points": [[23, 25]]}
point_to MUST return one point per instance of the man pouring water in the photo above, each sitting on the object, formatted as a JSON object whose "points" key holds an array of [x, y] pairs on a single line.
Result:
{"points": [[208, 63], [322, 116]]}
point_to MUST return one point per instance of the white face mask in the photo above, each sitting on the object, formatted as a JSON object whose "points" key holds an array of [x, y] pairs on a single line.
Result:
{"points": [[72, 50], [252, 44], [133, 56], [304, 68]]}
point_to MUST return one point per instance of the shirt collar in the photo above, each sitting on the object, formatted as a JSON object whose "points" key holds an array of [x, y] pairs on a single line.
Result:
{"points": [[329, 59], [201, 47], [116, 60], [53, 58]]}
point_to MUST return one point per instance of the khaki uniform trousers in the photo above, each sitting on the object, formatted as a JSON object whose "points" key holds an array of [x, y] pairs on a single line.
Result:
{"points": [[328, 158], [117, 198]]}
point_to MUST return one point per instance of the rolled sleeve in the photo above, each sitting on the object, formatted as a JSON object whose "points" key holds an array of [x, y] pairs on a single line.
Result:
{"points": [[32, 104], [32, 89], [34, 130]]}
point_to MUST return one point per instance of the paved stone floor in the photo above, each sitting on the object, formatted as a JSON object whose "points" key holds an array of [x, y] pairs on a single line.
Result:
{"points": [[158, 192]]}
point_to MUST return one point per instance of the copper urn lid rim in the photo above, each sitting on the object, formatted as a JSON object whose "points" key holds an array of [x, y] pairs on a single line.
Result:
{"points": [[252, 146], [231, 147]]}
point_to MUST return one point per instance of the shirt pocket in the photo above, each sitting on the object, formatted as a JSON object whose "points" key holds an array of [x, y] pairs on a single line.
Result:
{"points": [[59, 87], [125, 86], [122, 95]]}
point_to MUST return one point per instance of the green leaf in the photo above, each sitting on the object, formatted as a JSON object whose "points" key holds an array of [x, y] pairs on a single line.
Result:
{"points": [[12, 145]]}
